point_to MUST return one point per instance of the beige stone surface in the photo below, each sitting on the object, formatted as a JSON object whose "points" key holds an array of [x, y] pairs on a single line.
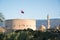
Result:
{"points": [[2, 29], [20, 24], [42, 28], [48, 22]]}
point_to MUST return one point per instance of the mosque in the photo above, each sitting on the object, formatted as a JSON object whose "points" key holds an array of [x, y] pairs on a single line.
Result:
{"points": [[42, 27]]}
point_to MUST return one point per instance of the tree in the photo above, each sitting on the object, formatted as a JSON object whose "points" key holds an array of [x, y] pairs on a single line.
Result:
{"points": [[2, 17]]}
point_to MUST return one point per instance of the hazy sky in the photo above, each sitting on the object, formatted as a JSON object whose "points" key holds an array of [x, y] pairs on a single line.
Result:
{"points": [[33, 9]]}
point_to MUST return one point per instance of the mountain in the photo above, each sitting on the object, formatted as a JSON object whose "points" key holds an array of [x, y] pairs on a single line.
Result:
{"points": [[53, 23]]}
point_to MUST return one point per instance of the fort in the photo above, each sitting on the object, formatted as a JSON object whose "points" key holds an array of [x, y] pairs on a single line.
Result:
{"points": [[20, 24]]}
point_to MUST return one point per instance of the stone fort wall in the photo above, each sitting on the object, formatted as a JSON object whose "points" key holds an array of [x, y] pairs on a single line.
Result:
{"points": [[20, 24]]}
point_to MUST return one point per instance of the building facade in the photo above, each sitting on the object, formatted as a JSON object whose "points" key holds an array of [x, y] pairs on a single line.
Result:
{"points": [[20, 24], [42, 28]]}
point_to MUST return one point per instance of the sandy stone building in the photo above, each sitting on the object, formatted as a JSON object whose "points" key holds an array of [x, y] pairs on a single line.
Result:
{"points": [[57, 27], [20, 24], [2, 29], [42, 28]]}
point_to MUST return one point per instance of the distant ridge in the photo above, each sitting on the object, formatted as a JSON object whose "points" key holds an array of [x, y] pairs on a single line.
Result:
{"points": [[53, 22]]}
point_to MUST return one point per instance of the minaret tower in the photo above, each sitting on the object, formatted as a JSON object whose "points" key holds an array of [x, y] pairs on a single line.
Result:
{"points": [[48, 22]]}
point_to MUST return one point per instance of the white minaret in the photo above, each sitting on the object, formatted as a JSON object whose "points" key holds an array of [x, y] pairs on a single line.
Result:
{"points": [[48, 22]]}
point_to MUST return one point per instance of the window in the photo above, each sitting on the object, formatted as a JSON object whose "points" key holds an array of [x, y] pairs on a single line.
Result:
{"points": [[13, 25], [26, 25], [23, 25], [19, 25], [6, 26]]}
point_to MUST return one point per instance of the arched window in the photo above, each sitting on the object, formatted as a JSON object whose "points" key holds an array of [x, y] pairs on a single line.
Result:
{"points": [[23, 25], [19, 25], [6, 26], [13, 25], [26, 25]]}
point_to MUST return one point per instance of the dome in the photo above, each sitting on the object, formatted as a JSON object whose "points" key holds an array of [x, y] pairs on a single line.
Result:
{"points": [[57, 27], [42, 28]]}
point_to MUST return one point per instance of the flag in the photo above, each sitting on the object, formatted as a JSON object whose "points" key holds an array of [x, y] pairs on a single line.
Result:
{"points": [[22, 11]]}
